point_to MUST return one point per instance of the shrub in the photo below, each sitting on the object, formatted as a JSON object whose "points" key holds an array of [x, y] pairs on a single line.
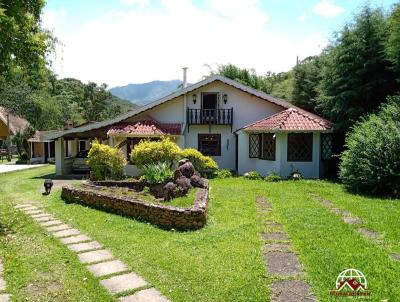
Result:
{"points": [[253, 175], [222, 173], [105, 162], [157, 173], [273, 177], [153, 152], [371, 162], [203, 164]]}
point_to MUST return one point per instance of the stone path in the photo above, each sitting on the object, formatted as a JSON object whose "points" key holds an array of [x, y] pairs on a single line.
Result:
{"points": [[349, 218], [114, 275], [3, 285], [280, 260]]}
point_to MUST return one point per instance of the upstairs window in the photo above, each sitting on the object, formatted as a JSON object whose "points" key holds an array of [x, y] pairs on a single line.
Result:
{"points": [[210, 144], [262, 146], [300, 146]]}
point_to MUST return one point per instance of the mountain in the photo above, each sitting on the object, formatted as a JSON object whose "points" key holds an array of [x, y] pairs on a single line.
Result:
{"points": [[142, 94]]}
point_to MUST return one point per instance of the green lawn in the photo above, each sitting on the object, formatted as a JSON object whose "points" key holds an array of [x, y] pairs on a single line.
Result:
{"points": [[221, 262]]}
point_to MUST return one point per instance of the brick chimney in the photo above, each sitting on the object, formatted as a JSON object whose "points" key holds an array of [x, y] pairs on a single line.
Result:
{"points": [[69, 124], [184, 84]]}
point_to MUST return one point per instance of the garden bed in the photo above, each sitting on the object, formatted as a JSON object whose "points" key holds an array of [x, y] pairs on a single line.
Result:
{"points": [[143, 206]]}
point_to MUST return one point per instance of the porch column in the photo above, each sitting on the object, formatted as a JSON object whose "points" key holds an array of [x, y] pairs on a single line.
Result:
{"points": [[59, 156]]}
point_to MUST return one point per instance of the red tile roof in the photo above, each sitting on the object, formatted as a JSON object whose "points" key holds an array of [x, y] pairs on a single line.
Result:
{"points": [[145, 128], [290, 120]]}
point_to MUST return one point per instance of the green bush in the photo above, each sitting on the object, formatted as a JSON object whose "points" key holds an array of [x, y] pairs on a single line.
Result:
{"points": [[253, 175], [157, 173], [153, 152], [222, 173], [105, 162], [273, 177], [371, 163], [203, 164]]}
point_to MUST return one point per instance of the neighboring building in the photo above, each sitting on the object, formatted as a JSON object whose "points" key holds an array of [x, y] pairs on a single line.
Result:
{"points": [[10, 124], [41, 150], [242, 128]]}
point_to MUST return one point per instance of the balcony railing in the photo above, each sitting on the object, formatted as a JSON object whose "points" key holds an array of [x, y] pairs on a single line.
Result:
{"points": [[210, 117]]}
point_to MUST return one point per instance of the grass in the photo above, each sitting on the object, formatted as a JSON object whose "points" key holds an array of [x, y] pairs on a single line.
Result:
{"points": [[221, 262]]}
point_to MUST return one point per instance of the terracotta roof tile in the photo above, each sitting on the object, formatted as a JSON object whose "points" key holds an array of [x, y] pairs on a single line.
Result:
{"points": [[145, 127], [290, 120]]}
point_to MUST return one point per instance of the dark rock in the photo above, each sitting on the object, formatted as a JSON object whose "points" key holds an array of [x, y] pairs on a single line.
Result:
{"points": [[157, 190], [187, 169], [184, 183], [169, 190], [197, 181], [182, 161], [177, 174]]}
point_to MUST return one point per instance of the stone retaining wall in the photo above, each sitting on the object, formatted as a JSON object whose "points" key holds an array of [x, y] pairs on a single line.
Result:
{"points": [[165, 216], [136, 185]]}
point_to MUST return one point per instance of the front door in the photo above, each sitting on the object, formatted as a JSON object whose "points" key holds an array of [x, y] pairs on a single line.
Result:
{"points": [[209, 105]]}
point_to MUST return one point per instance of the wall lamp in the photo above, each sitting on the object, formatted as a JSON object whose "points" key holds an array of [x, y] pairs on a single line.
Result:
{"points": [[225, 97], [194, 98]]}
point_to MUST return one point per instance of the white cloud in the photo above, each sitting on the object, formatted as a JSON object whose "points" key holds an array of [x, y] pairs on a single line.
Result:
{"points": [[327, 9], [303, 17], [134, 46], [141, 3]]}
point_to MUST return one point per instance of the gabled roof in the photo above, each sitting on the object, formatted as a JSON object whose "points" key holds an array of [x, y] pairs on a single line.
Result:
{"points": [[282, 103], [145, 127], [17, 123], [38, 136], [290, 119]]}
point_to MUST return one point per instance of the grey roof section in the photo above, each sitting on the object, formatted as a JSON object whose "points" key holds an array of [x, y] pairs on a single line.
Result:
{"points": [[255, 92]]}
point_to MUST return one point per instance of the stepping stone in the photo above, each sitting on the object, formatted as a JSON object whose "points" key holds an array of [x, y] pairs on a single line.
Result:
{"points": [[351, 220], [33, 212], [75, 239], [4, 298], [29, 208], [44, 219], [123, 283], [368, 233], [396, 257], [1, 268], [60, 227], [3, 284], [273, 224], [146, 295], [20, 206], [283, 247], [66, 233], [261, 199], [40, 215], [274, 236], [283, 263], [337, 211], [95, 256], [86, 246], [107, 268], [291, 291], [327, 203], [51, 223]]}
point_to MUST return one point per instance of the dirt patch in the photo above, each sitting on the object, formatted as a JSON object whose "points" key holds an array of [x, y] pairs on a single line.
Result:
{"points": [[368, 233], [291, 291], [283, 263], [274, 236], [277, 247]]}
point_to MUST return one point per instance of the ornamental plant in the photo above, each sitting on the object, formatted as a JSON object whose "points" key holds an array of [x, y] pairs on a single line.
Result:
{"points": [[105, 162], [371, 163], [153, 152], [253, 175], [203, 164], [157, 173]]}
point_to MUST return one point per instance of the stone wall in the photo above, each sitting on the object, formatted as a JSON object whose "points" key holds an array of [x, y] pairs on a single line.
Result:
{"points": [[136, 185], [168, 217]]}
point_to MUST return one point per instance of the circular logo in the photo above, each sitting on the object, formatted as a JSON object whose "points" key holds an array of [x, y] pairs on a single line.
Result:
{"points": [[358, 279]]}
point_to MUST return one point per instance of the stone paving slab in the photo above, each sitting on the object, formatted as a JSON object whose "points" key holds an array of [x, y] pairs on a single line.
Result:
{"points": [[95, 256], [123, 283], [56, 228], [283, 247], [51, 223], [368, 233], [29, 208], [75, 239], [3, 284], [291, 291], [351, 220], [274, 236], [146, 295], [107, 268], [283, 263], [40, 215], [86, 246], [4, 298], [395, 256], [34, 212], [25, 205], [44, 219], [66, 233]]}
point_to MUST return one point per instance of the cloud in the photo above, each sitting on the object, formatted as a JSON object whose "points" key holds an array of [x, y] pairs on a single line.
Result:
{"points": [[140, 3], [303, 17], [327, 9], [133, 46]]}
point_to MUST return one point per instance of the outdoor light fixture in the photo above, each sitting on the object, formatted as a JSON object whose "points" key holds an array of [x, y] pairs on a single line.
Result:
{"points": [[194, 98], [48, 184], [225, 98]]}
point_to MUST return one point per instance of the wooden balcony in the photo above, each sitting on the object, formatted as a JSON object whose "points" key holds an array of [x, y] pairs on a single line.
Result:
{"points": [[209, 117]]}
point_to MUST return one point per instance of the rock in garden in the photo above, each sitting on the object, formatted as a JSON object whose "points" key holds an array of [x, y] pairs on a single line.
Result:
{"points": [[187, 169], [184, 183], [182, 161], [169, 190], [198, 182]]}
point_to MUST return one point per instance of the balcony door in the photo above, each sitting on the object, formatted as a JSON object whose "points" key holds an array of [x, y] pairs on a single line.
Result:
{"points": [[209, 106]]}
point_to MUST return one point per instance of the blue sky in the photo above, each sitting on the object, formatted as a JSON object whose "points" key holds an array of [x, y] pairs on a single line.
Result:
{"points": [[132, 41]]}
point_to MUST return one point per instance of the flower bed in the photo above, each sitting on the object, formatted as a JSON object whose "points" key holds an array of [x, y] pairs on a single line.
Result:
{"points": [[165, 216]]}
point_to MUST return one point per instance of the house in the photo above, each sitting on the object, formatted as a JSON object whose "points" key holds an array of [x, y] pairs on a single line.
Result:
{"points": [[42, 150], [10, 124], [242, 128]]}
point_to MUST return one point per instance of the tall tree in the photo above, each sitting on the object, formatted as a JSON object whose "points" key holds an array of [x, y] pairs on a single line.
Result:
{"points": [[356, 76], [94, 101], [393, 42]]}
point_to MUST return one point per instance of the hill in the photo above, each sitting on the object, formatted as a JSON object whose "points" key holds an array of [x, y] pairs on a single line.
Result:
{"points": [[142, 94]]}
